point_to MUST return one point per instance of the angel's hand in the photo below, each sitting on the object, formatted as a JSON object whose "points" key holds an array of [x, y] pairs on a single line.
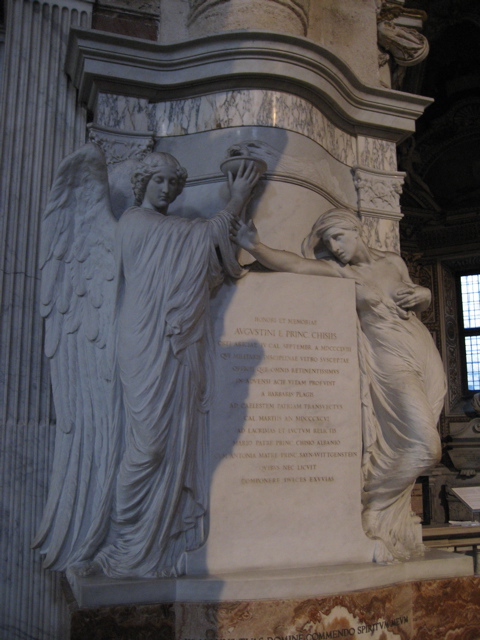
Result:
{"points": [[241, 186], [245, 235]]}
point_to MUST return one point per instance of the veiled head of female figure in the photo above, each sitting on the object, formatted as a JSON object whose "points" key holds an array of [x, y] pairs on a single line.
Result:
{"points": [[152, 164], [332, 225]]}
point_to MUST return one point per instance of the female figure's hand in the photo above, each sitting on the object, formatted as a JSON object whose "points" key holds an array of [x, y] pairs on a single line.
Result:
{"points": [[245, 235], [413, 297]]}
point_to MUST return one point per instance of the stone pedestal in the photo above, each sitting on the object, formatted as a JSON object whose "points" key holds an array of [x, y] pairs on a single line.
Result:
{"points": [[100, 591], [411, 609]]}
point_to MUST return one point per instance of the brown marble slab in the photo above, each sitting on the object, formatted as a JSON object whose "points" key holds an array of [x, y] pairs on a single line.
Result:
{"points": [[137, 622], [446, 609]]}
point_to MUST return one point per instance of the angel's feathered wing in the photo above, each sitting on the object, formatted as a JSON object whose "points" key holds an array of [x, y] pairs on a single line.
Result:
{"points": [[78, 292]]}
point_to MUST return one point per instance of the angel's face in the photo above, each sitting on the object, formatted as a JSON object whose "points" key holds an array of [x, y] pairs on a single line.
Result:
{"points": [[162, 189]]}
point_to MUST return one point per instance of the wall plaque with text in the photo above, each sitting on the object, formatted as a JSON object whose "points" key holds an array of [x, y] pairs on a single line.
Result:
{"points": [[285, 427]]}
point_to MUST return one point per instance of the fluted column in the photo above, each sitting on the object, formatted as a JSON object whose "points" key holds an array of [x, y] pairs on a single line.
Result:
{"points": [[283, 16], [40, 123]]}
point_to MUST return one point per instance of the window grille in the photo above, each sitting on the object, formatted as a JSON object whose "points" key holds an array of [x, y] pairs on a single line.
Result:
{"points": [[470, 328]]}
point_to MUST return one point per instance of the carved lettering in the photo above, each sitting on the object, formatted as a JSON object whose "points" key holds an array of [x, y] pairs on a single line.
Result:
{"points": [[286, 376]]}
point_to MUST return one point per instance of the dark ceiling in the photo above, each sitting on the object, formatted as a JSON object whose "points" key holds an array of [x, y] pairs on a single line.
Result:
{"points": [[443, 159]]}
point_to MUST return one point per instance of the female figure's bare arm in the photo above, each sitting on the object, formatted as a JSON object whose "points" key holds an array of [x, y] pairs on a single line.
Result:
{"points": [[246, 236]]}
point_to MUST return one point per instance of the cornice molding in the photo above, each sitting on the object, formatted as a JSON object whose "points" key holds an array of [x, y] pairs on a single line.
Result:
{"points": [[103, 62]]}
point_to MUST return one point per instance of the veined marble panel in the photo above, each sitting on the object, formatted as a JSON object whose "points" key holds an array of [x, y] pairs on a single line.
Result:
{"points": [[381, 233], [249, 107], [123, 112], [375, 153]]}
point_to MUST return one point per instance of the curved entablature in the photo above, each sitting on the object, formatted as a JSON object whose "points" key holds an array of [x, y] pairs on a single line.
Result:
{"points": [[100, 61]]}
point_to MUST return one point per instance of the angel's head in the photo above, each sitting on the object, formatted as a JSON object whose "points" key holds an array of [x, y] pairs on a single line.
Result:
{"points": [[156, 168]]}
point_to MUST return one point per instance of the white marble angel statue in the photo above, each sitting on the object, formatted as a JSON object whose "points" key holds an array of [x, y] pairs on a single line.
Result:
{"points": [[126, 307], [403, 381]]}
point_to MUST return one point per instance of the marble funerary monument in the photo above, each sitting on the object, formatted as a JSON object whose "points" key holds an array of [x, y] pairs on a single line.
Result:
{"points": [[226, 426]]}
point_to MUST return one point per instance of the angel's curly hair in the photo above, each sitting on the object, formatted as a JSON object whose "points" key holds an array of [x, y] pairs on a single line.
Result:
{"points": [[150, 165]]}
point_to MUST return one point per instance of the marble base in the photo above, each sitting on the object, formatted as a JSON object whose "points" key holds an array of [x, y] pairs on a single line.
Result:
{"points": [[417, 610], [98, 591]]}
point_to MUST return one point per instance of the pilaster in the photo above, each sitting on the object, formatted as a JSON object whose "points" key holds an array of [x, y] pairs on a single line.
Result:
{"points": [[40, 123]]}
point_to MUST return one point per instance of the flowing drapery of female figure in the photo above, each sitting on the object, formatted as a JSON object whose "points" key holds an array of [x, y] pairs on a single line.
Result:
{"points": [[402, 377]]}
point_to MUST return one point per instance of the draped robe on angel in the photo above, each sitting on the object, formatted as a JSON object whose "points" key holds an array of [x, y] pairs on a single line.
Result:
{"points": [[168, 267], [126, 307]]}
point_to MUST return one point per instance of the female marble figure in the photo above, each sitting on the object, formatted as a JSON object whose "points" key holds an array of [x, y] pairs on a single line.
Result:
{"points": [[129, 493], [403, 383]]}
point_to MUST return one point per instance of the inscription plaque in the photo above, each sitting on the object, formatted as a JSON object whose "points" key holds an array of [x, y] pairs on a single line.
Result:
{"points": [[285, 427]]}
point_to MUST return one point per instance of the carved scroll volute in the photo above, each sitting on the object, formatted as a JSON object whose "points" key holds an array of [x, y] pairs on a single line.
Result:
{"points": [[399, 39], [283, 16]]}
